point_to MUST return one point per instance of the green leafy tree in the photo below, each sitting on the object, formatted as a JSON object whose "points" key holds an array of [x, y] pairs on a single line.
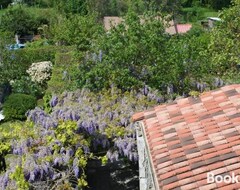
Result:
{"points": [[19, 21], [108, 7], [24, 85], [39, 3], [71, 6], [129, 52], [224, 45], [76, 30]]}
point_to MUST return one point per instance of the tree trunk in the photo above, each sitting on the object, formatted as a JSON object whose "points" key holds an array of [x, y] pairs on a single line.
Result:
{"points": [[175, 23]]}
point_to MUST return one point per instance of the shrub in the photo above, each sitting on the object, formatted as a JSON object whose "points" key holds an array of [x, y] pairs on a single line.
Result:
{"points": [[19, 20], [40, 72], [24, 85], [17, 105]]}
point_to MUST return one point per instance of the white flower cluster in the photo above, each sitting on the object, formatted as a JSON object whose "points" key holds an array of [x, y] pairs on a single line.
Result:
{"points": [[40, 72]]}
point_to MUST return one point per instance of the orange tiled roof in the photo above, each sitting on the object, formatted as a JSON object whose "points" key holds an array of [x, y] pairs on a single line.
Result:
{"points": [[111, 21], [191, 137], [183, 28]]}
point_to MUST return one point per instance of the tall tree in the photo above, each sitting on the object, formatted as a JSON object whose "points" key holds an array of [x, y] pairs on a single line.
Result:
{"points": [[108, 7], [18, 20], [224, 46]]}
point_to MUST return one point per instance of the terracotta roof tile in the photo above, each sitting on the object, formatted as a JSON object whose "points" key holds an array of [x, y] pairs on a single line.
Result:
{"points": [[185, 181], [208, 186], [171, 186], [183, 28], [228, 187], [200, 177], [202, 183], [193, 136], [183, 169]]}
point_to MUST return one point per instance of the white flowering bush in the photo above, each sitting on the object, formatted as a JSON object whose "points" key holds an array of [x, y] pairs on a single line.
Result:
{"points": [[40, 72]]}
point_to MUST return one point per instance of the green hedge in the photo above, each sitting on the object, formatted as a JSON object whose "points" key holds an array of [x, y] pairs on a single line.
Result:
{"points": [[63, 73], [16, 106]]}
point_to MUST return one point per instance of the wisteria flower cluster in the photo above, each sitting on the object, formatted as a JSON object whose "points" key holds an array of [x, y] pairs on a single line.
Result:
{"points": [[40, 72], [104, 117], [48, 157]]}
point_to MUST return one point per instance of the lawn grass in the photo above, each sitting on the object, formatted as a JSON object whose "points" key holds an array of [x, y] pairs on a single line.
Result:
{"points": [[211, 14], [196, 14]]}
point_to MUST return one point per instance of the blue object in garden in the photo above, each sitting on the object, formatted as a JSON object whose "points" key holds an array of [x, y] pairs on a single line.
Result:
{"points": [[15, 46]]}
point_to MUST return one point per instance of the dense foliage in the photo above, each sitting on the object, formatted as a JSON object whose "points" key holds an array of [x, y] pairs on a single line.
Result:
{"points": [[98, 79], [79, 31], [16, 106], [20, 21], [224, 43], [129, 61], [25, 85], [62, 79]]}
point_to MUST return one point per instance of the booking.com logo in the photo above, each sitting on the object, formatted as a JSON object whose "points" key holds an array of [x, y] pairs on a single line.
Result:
{"points": [[211, 178]]}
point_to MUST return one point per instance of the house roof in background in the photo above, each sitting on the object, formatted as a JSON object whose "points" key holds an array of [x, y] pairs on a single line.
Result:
{"points": [[190, 137], [111, 21], [182, 28]]}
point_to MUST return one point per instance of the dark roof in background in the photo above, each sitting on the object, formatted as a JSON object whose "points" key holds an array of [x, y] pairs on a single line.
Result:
{"points": [[192, 136]]}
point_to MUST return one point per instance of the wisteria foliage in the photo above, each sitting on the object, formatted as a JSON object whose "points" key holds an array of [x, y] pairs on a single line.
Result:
{"points": [[105, 117], [47, 157]]}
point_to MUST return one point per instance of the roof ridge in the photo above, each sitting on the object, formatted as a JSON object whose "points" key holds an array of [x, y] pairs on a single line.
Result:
{"points": [[141, 115]]}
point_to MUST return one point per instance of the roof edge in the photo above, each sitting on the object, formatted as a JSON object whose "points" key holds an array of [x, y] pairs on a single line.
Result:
{"points": [[153, 173]]}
